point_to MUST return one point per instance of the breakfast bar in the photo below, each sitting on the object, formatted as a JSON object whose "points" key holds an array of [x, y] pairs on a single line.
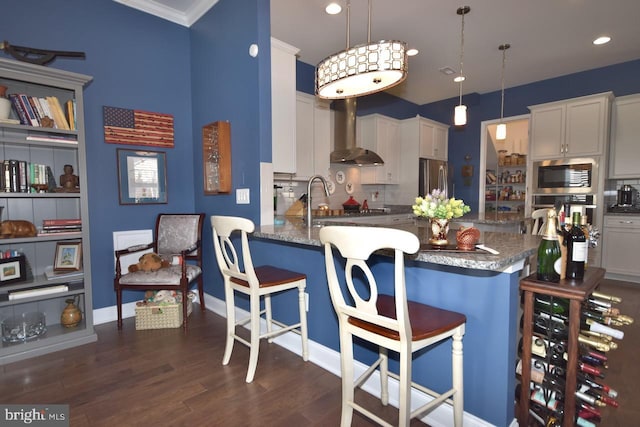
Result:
{"points": [[477, 283]]}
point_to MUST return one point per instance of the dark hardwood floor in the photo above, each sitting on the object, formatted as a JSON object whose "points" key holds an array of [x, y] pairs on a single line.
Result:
{"points": [[166, 378]]}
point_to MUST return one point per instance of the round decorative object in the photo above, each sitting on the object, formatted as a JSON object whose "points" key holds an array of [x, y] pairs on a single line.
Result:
{"points": [[71, 315], [349, 188], [439, 231], [340, 178], [331, 186], [466, 238]]}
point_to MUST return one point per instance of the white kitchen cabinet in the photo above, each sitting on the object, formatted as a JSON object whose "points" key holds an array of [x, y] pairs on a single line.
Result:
{"points": [[432, 137], [380, 134], [624, 151], [571, 128], [283, 106], [313, 136], [621, 246]]}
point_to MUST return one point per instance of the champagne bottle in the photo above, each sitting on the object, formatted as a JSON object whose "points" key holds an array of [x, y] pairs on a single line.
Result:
{"points": [[585, 229], [606, 297], [576, 243], [549, 251]]}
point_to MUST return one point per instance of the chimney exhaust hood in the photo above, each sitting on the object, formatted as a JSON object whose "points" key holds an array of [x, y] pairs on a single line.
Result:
{"points": [[345, 151]]}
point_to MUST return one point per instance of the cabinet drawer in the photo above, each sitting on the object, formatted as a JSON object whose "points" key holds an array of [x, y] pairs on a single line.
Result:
{"points": [[620, 221]]}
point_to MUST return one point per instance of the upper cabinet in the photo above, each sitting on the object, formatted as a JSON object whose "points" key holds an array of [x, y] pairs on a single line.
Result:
{"points": [[432, 137], [380, 134], [624, 149], [283, 106], [313, 135], [570, 128]]}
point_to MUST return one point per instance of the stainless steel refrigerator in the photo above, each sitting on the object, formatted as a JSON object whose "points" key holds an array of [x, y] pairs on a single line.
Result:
{"points": [[434, 174]]}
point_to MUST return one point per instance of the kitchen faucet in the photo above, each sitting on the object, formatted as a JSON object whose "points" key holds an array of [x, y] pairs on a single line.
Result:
{"points": [[326, 190]]}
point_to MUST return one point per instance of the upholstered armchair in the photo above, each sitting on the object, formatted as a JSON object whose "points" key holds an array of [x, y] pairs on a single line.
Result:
{"points": [[177, 237]]}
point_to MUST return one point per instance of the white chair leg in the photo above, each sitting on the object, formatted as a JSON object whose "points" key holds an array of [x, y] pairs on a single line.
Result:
{"points": [[384, 375], [303, 323], [268, 315], [404, 403], [255, 336], [457, 368], [231, 323], [346, 362]]}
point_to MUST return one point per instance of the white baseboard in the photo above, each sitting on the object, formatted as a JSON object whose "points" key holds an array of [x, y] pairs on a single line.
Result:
{"points": [[327, 359]]}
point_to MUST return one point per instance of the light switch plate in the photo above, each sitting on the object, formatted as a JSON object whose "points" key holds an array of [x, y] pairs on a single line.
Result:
{"points": [[242, 196]]}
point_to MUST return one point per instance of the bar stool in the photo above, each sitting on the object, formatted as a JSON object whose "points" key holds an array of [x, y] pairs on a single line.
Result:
{"points": [[390, 321], [241, 276]]}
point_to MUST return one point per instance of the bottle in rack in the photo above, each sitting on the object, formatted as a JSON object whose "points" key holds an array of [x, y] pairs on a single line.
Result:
{"points": [[585, 229], [548, 269], [576, 248]]}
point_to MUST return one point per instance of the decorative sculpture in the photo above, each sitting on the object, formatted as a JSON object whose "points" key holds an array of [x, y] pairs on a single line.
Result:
{"points": [[37, 56]]}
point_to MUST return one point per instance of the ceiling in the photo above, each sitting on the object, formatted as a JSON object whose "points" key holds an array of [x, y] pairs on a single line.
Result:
{"points": [[548, 38]]}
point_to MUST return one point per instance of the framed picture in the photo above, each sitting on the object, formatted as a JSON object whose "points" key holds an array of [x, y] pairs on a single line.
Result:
{"points": [[142, 177], [12, 270], [68, 257]]}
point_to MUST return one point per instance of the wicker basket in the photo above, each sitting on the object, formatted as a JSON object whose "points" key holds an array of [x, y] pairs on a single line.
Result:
{"points": [[156, 316]]}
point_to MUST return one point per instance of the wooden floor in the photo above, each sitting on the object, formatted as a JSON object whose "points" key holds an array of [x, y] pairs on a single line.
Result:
{"points": [[166, 378]]}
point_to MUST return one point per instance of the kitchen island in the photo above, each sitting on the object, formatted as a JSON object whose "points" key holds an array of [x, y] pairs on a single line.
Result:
{"points": [[478, 284]]}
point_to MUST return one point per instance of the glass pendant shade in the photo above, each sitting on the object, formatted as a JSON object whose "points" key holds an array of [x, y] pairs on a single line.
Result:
{"points": [[362, 70], [501, 131], [460, 115]]}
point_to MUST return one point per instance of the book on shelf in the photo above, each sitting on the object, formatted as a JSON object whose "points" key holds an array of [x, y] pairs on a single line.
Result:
{"points": [[34, 292], [52, 275], [19, 109], [59, 117], [53, 138], [70, 106], [46, 233], [22, 176], [37, 108], [61, 229], [62, 221], [33, 120]]}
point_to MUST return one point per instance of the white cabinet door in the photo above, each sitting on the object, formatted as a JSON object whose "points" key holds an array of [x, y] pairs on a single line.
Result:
{"points": [[570, 128], [625, 149], [587, 127], [313, 129], [433, 137], [380, 134], [283, 106], [547, 132], [621, 245]]}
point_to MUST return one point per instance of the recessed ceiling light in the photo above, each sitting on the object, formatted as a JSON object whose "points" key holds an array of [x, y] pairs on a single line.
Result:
{"points": [[459, 79], [333, 8], [412, 52], [602, 40]]}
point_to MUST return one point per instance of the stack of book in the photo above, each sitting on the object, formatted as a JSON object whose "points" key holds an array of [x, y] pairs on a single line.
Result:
{"points": [[44, 111], [17, 176], [70, 225]]}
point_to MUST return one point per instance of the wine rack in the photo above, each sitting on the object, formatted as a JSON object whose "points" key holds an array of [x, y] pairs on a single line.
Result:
{"points": [[576, 292]]}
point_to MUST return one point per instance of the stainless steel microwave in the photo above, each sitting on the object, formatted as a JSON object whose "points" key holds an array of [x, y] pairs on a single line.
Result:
{"points": [[565, 176]]}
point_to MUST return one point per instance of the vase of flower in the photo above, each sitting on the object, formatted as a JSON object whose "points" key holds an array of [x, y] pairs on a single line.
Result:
{"points": [[439, 231], [5, 104], [439, 210]]}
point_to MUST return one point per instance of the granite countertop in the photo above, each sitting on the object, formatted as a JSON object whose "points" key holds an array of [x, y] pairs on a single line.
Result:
{"points": [[512, 247]]}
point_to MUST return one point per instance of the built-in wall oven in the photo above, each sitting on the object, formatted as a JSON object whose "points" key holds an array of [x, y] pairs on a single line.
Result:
{"points": [[565, 176]]}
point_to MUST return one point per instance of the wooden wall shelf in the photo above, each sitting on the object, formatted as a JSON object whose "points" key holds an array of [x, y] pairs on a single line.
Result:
{"points": [[216, 158]]}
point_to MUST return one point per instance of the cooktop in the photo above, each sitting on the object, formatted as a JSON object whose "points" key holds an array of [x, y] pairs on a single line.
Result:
{"points": [[624, 209]]}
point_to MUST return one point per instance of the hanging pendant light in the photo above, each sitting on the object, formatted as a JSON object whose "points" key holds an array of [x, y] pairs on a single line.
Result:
{"points": [[363, 69], [460, 112], [501, 130]]}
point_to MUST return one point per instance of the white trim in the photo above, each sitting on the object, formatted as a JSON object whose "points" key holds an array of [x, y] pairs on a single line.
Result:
{"points": [[185, 18], [327, 359]]}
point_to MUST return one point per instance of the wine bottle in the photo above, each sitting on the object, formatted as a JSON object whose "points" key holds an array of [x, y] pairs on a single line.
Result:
{"points": [[606, 297], [549, 268], [576, 243], [585, 229], [588, 380]]}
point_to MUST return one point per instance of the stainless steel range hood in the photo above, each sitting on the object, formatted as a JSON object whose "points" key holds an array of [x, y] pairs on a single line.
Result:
{"points": [[345, 151]]}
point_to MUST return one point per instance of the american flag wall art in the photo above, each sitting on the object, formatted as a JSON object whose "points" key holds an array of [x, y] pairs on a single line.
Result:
{"points": [[135, 127]]}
